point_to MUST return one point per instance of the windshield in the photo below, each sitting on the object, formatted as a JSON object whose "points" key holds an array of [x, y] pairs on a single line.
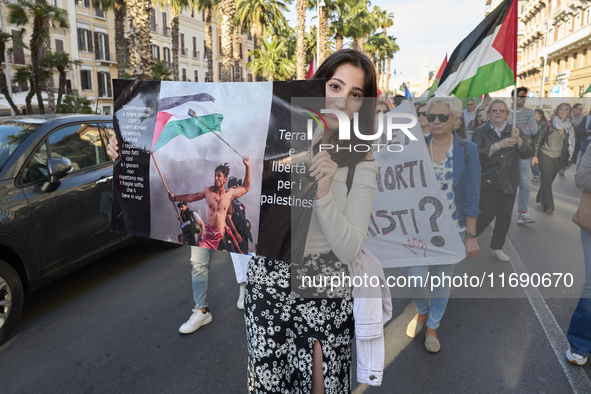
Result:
{"points": [[12, 135]]}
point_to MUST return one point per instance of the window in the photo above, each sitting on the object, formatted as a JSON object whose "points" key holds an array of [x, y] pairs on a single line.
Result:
{"points": [[56, 3], [166, 54], [194, 47], [104, 84], [17, 50], [183, 50], [220, 43], [86, 79], [83, 3], [98, 11], [196, 76], [101, 49], [155, 51], [207, 76], [81, 143], [153, 20], [164, 24], [240, 49], [84, 40], [249, 78], [184, 74], [59, 45], [204, 51]]}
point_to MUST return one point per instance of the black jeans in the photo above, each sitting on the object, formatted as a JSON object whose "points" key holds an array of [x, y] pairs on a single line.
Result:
{"points": [[495, 203], [549, 168]]}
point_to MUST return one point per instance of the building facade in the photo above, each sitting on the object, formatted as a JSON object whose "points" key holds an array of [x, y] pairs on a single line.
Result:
{"points": [[91, 39]]}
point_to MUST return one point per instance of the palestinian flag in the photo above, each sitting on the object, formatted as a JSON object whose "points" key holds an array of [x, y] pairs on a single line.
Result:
{"points": [[435, 83], [486, 61], [173, 118]]}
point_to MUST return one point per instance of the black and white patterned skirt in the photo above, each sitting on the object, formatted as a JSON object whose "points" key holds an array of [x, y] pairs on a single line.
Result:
{"points": [[282, 329]]}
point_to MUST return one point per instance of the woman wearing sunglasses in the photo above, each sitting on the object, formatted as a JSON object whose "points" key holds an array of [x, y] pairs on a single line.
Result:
{"points": [[457, 170], [554, 149], [422, 116], [499, 150]]}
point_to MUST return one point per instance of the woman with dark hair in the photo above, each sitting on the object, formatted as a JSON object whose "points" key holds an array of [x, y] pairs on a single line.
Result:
{"points": [[460, 127], [540, 120], [553, 150], [304, 345], [479, 120], [422, 117], [540, 117], [499, 148]]}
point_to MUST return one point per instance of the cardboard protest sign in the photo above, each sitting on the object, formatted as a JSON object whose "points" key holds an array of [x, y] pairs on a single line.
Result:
{"points": [[178, 137], [410, 224]]}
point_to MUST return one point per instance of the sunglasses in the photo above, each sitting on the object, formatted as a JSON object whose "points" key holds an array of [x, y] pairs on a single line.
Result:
{"points": [[498, 111], [442, 117], [421, 114]]}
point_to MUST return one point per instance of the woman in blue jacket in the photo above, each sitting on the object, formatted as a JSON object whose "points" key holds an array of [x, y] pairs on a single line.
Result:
{"points": [[457, 170]]}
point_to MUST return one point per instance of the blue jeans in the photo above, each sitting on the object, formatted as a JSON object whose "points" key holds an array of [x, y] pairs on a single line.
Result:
{"points": [[440, 295], [523, 198], [200, 259], [579, 331]]}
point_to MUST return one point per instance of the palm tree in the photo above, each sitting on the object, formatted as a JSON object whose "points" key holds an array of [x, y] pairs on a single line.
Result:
{"points": [[161, 72], [207, 6], [236, 54], [119, 9], [74, 104], [4, 38], [227, 9], [60, 61], [301, 39], [25, 75], [271, 60], [45, 16], [140, 56], [261, 15]]}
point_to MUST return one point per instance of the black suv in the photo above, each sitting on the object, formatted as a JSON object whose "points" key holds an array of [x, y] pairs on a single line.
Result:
{"points": [[55, 202]]}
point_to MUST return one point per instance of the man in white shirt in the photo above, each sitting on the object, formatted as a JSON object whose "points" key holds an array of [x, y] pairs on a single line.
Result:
{"points": [[469, 113]]}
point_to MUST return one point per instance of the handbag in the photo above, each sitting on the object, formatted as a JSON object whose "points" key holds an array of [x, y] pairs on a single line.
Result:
{"points": [[491, 179], [582, 217]]}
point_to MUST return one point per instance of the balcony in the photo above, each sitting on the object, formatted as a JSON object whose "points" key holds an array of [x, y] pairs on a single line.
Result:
{"points": [[166, 30], [567, 43], [19, 58], [196, 55], [154, 28], [99, 12], [184, 51]]}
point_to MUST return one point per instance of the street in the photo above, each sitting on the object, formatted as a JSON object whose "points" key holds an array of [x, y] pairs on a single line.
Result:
{"points": [[112, 326]]}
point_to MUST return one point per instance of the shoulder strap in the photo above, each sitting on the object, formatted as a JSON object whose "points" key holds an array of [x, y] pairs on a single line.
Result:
{"points": [[350, 175]]}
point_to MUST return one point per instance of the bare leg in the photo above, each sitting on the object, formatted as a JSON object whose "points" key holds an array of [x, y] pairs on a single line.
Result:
{"points": [[317, 374]]}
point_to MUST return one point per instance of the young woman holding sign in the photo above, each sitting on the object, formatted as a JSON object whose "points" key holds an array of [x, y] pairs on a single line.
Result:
{"points": [[303, 345], [457, 171]]}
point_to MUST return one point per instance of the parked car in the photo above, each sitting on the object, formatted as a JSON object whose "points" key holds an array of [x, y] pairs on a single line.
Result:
{"points": [[55, 202]]}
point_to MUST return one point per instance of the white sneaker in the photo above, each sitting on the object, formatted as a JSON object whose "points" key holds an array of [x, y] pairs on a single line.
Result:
{"points": [[196, 320], [524, 218], [575, 358], [240, 303], [500, 255]]}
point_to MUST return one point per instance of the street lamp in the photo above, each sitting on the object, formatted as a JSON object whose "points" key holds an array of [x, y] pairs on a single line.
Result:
{"points": [[320, 5]]}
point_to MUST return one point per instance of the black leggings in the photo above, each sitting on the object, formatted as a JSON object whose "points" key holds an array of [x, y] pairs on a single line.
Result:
{"points": [[549, 168], [495, 203]]}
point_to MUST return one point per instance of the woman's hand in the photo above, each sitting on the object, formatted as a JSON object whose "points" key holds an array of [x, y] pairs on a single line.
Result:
{"points": [[507, 143], [113, 148], [324, 170], [515, 135], [534, 161], [472, 248]]}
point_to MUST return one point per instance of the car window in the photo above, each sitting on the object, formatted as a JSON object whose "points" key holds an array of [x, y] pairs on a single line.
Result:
{"points": [[12, 135], [81, 143], [109, 131], [36, 168]]}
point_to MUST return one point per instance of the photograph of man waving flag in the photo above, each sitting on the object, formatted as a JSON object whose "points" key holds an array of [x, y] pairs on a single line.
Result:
{"points": [[486, 60]]}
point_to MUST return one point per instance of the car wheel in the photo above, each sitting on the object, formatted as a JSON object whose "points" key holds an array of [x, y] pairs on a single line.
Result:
{"points": [[11, 299]]}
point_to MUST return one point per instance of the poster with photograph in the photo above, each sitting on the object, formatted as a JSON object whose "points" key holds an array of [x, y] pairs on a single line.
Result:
{"points": [[199, 165]]}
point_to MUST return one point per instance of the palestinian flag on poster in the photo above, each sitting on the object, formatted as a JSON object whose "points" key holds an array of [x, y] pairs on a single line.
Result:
{"points": [[173, 118], [435, 83], [486, 61]]}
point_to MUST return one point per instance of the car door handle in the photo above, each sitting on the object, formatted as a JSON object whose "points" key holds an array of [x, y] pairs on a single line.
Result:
{"points": [[105, 179]]}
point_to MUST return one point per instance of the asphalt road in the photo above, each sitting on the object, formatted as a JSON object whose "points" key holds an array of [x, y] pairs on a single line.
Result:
{"points": [[112, 327]]}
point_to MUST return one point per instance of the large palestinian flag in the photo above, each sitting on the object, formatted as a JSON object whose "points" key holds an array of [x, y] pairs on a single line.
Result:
{"points": [[486, 61]]}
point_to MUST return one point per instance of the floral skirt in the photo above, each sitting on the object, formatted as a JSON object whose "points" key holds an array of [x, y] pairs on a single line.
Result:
{"points": [[282, 329]]}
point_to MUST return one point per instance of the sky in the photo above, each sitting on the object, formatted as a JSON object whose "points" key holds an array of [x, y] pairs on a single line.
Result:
{"points": [[424, 29]]}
